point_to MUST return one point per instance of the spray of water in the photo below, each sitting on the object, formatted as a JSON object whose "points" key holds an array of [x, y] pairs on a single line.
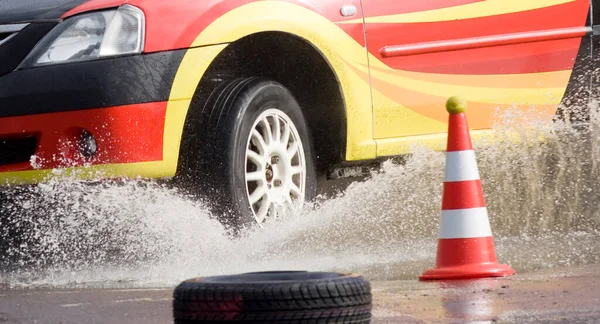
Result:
{"points": [[541, 197]]}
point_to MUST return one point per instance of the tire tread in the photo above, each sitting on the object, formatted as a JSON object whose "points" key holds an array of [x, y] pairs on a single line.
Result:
{"points": [[342, 300]]}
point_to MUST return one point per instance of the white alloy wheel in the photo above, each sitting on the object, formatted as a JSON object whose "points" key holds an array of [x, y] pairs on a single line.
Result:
{"points": [[275, 166]]}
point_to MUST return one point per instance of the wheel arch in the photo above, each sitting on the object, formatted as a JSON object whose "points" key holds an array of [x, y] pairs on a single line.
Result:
{"points": [[340, 52], [312, 81]]}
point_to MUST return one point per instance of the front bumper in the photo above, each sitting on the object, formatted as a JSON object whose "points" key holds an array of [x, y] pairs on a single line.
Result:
{"points": [[121, 102]]}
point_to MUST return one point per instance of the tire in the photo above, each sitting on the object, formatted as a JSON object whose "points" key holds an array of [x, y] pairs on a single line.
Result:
{"points": [[274, 297], [218, 161]]}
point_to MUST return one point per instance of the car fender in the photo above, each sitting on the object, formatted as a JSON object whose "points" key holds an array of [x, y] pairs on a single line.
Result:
{"points": [[343, 53]]}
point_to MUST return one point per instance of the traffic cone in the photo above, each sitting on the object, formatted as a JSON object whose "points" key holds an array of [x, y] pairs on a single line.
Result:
{"points": [[465, 243]]}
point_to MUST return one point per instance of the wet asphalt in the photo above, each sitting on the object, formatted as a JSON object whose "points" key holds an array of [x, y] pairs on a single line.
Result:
{"points": [[562, 295]]}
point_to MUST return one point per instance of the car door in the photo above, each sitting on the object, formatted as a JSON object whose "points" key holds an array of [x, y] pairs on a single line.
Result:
{"points": [[497, 54]]}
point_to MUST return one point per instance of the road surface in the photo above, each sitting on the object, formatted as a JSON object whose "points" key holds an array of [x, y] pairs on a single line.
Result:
{"points": [[565, 295]]}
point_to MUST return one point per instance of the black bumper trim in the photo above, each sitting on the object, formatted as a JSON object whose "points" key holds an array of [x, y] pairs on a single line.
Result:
{"points": [[86, 85]]}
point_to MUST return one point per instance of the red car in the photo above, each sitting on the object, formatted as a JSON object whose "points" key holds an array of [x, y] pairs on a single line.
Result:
{"points": [[247, 102]]}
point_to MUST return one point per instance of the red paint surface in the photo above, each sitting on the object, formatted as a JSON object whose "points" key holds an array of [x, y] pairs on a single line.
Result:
{"points": [[548, 56], [466, 258], [386, 7], [462, 195], [542, 56], [94, 5], [484, 41], [572, 14], [170, 26], [459, 138], [125, 134], [462, 251], [176, 26]]}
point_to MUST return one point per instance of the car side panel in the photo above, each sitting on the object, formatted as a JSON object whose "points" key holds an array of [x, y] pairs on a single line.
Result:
{"points": [[341, 45], [193, 24], [202, 33], [498, 54], [171, 26]]}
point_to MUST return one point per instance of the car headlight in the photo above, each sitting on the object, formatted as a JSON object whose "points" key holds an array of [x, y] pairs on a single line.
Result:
{"points": [[91, 36]]}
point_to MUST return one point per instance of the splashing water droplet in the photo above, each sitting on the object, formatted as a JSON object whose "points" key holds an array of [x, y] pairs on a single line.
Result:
{"points": [[541, 199]]}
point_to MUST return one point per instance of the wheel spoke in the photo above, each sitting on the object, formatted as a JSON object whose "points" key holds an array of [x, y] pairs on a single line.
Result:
{"points": [[276, 129], [262, 212], [267, 130], [274, 134], [285, 138], [289, 200], [291, 152], [258, 193], [296, 169], [255, 176], [295, 190], [258, 160], [258, 140]]}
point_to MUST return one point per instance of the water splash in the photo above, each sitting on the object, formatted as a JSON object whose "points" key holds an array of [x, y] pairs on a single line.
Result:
{"points": [[541, 199]]}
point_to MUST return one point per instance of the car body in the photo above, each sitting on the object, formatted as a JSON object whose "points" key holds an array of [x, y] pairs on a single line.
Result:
{"points": [[371, 76]]}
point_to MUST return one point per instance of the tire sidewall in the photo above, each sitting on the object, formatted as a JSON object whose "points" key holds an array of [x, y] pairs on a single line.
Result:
{"points": [[258, 97]]}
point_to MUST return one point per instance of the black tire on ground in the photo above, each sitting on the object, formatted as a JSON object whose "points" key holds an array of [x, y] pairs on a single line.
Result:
{"points": [[214, 165], [274, 297]]}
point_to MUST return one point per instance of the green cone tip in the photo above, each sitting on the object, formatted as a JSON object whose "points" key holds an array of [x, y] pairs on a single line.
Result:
{"points": [[456, 105]]}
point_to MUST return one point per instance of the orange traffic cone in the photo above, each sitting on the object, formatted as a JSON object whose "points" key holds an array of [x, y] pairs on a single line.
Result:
{"points": [[465, 243]]}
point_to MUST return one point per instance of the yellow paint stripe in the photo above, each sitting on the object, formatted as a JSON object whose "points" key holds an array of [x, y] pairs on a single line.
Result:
{"points": [[437, 142], [507, 96], [524, 80], [391, 119], [481, 94], [155, 169], [264, 16], [467, 11], [194, 64], [321, 33]]}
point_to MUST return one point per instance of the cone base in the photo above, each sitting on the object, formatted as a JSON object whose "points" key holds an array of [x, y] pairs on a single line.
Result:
{"points": [[469, 271]]}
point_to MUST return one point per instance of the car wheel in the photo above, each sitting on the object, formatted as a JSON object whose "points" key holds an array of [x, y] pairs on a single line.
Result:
{"points": [[253, 152], [274, 297]]}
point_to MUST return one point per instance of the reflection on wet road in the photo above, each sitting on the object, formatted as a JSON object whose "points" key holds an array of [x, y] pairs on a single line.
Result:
{"points": [[565, 295]]}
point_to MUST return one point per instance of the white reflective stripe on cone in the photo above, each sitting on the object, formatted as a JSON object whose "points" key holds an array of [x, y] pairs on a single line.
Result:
{"points": [[461, 166], [464, 223]]}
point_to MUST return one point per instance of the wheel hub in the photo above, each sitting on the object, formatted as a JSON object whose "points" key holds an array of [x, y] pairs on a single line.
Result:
{"points": [[269, 173], [275, 165]]}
